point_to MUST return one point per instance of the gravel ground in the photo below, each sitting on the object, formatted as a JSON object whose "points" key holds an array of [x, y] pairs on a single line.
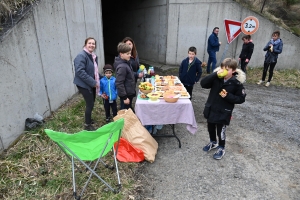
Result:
{"points": [[262, 153]]}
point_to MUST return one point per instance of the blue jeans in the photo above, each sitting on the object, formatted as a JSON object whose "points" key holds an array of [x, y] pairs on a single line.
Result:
{"points": [[211, 59]]}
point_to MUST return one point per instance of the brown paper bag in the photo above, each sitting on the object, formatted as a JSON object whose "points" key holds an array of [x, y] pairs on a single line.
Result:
{"points": [[135, 133]]}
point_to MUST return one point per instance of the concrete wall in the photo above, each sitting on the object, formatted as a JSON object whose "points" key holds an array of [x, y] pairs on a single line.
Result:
{"points": [[194, 20], [164, 30], [36, 60]]}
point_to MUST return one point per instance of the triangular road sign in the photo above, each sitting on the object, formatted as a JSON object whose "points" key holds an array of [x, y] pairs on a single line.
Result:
{"points": [[233, 29]]}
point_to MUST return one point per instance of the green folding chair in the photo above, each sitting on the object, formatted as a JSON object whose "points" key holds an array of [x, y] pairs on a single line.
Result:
{"points": [[89, 146]]}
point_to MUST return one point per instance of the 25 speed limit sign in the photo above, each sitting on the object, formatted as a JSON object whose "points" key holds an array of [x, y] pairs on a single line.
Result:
{"points": [[249, 25]]}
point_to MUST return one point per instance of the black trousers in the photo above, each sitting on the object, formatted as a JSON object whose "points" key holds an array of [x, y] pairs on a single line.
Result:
{"points": [[266, 66], [221, 130], [127, 106], [107, 107], [189, 89], [244, 65], [89, 98]]}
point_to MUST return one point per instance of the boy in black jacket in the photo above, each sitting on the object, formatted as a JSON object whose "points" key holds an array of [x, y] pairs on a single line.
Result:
{"points": [[190, 70], [246, 52], [225, 91]]}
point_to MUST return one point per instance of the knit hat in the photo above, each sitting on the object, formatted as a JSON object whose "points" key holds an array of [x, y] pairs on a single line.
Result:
{"points": [[108, 67]]}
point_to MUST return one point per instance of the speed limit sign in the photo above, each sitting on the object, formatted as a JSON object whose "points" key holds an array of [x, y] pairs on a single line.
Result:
{"points": [[249, 25]]}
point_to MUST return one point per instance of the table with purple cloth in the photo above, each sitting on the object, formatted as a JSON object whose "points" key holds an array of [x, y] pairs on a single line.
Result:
{"points": [[157, 113]]}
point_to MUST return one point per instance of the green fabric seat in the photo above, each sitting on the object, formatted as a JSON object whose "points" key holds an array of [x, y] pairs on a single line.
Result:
{"points": [[89, 146]]}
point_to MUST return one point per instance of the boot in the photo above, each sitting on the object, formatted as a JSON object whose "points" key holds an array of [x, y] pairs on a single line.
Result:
{"points": [[89, 127]]}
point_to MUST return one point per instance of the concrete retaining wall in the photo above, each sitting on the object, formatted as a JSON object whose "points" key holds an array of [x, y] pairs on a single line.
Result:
{"points": [[36, 60], [164, 30]]}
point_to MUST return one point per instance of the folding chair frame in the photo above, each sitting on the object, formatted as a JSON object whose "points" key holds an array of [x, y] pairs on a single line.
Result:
{"points": [[115, 151]]}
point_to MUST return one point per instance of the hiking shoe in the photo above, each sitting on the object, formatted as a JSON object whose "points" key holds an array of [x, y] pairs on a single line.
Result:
{"points": [[267, 84], [260, 82], [89, 127], [219, 153], [210, 146]]}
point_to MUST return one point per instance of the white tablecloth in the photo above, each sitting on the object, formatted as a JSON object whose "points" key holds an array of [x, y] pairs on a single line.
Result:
{"points": [[166, 113]]}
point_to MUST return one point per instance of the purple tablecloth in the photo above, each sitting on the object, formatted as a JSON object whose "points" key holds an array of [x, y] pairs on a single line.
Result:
{"points": [[166, 113]]}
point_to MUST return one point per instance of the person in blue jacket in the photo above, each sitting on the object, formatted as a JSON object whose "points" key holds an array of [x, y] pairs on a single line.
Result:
{"points": [[273, 48], [190, 70], [213, 46], [108, 91]]}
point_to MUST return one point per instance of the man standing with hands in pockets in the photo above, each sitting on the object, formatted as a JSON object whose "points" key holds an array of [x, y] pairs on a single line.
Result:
{"points": [[213, 46]]}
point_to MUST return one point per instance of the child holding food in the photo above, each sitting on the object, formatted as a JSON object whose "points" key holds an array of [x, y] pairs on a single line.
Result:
{"points": [[190, 70], [108, 91], [226, 90]]}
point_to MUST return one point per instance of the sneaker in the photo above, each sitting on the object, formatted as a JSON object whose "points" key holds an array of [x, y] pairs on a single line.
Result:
{"points": [[260, 82], [219, 153], [89, 127], [107, 119], [267, 84], [210, 146]]}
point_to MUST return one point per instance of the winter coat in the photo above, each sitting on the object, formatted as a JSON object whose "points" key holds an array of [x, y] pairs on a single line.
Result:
{"points": [[108, 87], [213, 43], [247, 51], [85, 71], [217, 109], [125, 80], [271, 57], [188, 75], [135, 64]]}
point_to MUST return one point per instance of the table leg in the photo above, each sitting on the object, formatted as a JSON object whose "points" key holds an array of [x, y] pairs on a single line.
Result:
{"points": [[167, 135]]}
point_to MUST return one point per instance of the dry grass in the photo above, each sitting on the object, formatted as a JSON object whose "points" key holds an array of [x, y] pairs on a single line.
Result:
{"points": [[35, 168]]}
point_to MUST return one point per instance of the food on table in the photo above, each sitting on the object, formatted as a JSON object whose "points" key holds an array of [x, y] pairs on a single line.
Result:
{"points": [[184, 94], [143, 96], [153, 96], [146, 87]]}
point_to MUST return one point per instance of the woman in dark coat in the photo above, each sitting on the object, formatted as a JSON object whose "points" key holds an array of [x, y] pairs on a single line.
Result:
{"points": [[87, 78]]}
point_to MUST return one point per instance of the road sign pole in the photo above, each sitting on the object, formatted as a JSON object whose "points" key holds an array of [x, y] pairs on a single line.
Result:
{"points": [[224, 54]]}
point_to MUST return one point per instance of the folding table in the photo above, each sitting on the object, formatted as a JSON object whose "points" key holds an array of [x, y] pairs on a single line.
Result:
{"points": [[156, 113]]}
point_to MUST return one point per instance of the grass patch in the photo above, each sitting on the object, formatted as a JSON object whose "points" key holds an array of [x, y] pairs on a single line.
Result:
{"points": [[35, 168]]}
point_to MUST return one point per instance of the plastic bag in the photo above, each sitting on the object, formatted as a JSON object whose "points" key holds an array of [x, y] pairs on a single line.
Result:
{"points": [[129, 153]]}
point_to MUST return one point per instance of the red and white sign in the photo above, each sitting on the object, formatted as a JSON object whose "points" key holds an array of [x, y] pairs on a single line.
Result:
{"points": [[249, 25], [233, 29]]}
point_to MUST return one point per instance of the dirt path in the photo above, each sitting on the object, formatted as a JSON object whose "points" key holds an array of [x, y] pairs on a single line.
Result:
{"points": [[262, 158]]}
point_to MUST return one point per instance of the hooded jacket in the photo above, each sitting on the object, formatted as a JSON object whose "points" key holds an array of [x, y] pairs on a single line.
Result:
{"points": [[125, 80], [108, 87], [189, 74], [217, 109], [213, 43]]}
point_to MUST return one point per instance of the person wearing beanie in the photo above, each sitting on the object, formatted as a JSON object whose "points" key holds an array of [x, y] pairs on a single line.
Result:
{"points": [[108, 92]]}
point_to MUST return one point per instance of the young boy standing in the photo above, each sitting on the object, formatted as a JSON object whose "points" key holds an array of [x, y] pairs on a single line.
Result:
{"points": [[225, 92], [108, 91], [125, 80], [190, 70]]}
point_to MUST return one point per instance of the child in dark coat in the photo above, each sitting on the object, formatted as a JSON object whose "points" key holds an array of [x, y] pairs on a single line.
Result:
{"points": [[224, 93], [190, 70], [246, 52]]}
